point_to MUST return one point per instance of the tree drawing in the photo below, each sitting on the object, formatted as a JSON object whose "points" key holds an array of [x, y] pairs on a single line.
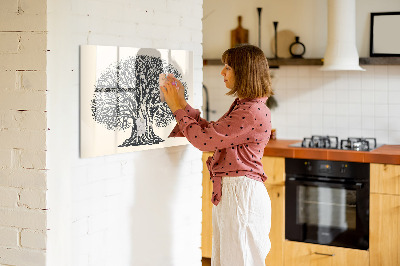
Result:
{"points": [[127, 95]]}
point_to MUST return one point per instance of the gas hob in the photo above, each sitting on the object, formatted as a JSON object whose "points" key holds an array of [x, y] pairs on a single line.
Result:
{"points": [[332, 142]]}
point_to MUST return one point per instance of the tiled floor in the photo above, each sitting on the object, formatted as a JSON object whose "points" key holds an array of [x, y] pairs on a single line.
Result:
{"points": [[206, 261]]}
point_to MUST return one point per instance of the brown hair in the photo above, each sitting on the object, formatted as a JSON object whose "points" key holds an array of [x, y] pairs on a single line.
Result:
{"points": [[250, 66]]}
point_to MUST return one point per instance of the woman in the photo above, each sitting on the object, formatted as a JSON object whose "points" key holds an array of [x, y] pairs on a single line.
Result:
{"points": [[242, 208]]}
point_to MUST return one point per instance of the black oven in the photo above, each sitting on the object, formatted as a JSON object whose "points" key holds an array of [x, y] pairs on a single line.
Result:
{"points": [[327, 202]]}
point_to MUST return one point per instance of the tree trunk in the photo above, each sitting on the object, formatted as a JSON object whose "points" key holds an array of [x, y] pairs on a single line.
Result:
{"points": [[148, 138]]}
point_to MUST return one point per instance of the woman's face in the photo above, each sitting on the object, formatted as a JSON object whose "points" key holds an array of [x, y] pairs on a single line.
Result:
{"points": [[229, 76]]}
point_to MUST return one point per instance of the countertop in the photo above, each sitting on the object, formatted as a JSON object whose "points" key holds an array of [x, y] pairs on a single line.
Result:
{"points": [[389, 154]]}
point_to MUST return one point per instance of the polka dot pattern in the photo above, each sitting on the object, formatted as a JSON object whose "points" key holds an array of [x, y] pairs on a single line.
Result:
{"points": [[238, 139]]}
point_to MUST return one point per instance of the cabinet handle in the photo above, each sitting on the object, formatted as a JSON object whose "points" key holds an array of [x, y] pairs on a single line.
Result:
{"points": [[324, 254]]}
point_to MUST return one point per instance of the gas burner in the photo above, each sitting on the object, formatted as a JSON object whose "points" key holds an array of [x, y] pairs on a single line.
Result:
{"points": [[327, 142], [332, 142], [358, 144]]}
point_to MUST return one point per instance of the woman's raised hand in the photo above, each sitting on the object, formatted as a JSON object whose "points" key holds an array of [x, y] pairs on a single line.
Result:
{"points": [[174, 93], [181, 91]]}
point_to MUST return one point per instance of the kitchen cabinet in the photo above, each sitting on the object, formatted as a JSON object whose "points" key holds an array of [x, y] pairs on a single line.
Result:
{"points": [[384, 221], [305, 254], [277, 233], [206, 226], [385, 215], [384, 245], [385, 178], [385, 230], [274, 168]]}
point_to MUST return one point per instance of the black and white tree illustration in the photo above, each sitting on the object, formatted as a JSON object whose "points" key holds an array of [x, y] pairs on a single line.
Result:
{"points": [[127, 96]]}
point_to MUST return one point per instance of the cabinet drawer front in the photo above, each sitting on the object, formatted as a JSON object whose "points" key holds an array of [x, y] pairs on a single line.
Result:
{"points": [[297, 253]]}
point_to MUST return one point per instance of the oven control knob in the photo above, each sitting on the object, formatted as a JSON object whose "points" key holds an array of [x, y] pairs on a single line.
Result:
{"points": [[343, 168], [308, 166]]}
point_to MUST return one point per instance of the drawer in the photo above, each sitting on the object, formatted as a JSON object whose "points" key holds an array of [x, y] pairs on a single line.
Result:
{"points": [[298, 253]]}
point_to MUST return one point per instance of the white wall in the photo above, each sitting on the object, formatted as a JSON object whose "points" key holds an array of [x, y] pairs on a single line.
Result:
{"points": [[306, 19], [312, 102], [23, 133], [141, 208], [343, 104]]}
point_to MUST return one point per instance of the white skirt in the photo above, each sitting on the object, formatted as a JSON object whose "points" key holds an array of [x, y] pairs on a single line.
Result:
{"points": [[241, 223]]}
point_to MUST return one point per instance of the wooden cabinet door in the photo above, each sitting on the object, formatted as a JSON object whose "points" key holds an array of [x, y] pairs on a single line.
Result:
{"points": [[385, 178], [277, 233], [304, 254], [206, 226], [274, 168], [384, 237]]}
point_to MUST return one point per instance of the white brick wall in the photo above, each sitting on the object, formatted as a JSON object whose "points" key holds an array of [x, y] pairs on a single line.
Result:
{"points": [[140, 208], [9, 237], [9, 197], [33, 239], [23, 126], [93, 204]]}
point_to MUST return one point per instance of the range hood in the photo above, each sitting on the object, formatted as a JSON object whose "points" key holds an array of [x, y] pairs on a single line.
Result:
{"points": [[341, 51]]}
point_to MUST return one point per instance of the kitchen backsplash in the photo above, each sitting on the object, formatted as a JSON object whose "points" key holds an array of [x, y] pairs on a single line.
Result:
{"points": [[314, 102]]}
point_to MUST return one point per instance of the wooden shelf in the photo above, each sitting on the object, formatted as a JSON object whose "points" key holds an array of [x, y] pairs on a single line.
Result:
{"points": [[212, 62], [380, 61], [274, 63]]}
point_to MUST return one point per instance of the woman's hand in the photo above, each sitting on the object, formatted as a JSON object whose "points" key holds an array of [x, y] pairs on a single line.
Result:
{"points": [[174, 93], [181, 91]]}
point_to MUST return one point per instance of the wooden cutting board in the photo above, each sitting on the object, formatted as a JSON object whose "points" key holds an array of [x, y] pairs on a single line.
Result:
{"points": [[239, 35]]}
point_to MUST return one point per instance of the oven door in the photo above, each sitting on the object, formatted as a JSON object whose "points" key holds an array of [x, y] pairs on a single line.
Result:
{"points": [[327, 213]]}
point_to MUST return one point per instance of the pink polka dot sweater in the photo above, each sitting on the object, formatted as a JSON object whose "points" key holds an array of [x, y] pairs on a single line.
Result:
{"points": [[238, 139]]}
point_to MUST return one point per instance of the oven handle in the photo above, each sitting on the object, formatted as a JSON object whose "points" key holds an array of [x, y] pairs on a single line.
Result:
{"points": [[357, 185]]}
